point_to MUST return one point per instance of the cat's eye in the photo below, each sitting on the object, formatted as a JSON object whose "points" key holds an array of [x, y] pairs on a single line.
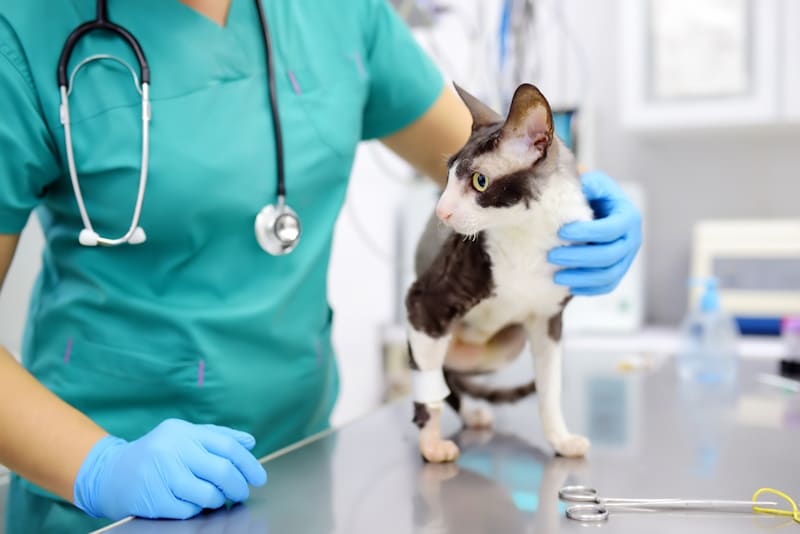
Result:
{"points": [[479, 182]]}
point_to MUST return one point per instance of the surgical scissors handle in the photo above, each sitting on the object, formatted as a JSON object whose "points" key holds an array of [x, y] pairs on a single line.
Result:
{"points": [[592, 507]]}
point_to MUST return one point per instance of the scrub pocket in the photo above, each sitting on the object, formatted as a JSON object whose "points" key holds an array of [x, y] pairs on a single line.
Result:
{"points": [[332, 93], [126, 392]]}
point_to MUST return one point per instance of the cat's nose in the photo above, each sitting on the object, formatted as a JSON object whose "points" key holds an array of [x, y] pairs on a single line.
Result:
{"points": [[444, 214]]}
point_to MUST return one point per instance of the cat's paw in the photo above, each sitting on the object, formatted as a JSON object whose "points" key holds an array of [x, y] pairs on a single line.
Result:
{"points": [[439, 451], [571, 446], [478, 417]]}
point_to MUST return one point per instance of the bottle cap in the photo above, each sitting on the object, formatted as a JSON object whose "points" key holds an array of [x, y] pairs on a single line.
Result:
{"points": [[709, 301]]}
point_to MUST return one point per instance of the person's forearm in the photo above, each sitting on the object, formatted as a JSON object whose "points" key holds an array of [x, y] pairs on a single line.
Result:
{"points": [[42, 438], [428, 142]]}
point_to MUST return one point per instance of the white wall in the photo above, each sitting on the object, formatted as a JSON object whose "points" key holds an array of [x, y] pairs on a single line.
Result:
{"points": [[361, 279]]}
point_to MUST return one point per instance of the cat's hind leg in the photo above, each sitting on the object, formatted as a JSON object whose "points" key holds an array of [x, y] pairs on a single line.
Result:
{"points": [[430, 390], [545, 340], [454, 398], [474, 413]]}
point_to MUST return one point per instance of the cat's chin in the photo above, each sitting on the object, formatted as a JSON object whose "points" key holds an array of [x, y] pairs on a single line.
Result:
{"points": [[466, 230], [472, 234]]}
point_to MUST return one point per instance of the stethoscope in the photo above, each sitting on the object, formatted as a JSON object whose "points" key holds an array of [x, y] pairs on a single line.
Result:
{"points": [[277, 226]]}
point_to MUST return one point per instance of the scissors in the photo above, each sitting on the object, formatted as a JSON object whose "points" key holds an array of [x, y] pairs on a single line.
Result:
{"points": [[591, 507]]}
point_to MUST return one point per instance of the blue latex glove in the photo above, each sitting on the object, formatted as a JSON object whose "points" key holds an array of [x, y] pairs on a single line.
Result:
{"points": [[611, 240], [174, 471]]}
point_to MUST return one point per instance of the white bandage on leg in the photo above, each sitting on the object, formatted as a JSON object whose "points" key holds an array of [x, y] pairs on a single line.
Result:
{"points": [[429, 386]]}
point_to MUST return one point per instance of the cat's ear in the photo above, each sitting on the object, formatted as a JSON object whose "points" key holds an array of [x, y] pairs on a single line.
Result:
{"points": [[481, 113], [530, 118]]}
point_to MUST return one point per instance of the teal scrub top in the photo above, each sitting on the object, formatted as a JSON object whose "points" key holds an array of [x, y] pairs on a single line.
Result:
{"points": [[198, 322]]}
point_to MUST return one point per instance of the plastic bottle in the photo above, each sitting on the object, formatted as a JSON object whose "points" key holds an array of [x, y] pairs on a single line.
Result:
{"points": [[708, 351]]}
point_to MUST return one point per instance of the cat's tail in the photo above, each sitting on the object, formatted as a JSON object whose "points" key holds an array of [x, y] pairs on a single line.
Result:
{"points": [[489, 394]]}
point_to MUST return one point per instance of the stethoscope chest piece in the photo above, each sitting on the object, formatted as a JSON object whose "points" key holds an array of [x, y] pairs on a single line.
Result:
{"points": [[277, 228]]}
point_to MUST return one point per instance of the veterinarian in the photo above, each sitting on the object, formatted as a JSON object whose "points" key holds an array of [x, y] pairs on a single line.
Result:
{"points": [[179, 327]]}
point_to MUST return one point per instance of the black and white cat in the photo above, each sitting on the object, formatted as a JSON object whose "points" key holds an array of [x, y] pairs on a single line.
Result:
{"points": [[484, 286]]}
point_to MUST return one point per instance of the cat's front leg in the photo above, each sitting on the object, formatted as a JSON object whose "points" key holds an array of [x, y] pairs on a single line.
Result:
{"points": [[545, 341], [430, 390]]}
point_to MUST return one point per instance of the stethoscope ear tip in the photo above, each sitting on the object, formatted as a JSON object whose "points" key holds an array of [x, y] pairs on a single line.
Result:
{"points": [[138, 236], [88, 238]]}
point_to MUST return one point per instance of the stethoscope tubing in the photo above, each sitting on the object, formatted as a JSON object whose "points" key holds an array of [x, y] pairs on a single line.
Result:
{"points": [[135, 234], [101, 23], [137, 210]]}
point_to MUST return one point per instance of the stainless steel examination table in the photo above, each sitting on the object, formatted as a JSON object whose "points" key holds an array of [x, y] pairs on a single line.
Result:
{"points": [[652, 437]]}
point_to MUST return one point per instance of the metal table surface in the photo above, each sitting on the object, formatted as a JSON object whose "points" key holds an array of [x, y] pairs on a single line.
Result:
{"points": [[652, 437]]}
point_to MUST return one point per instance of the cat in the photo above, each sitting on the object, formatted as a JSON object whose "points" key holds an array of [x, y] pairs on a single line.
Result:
{"points": [[483, 284]]}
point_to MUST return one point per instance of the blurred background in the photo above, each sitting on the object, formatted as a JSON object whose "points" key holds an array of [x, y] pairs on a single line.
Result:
{"points": [[692, 105]]}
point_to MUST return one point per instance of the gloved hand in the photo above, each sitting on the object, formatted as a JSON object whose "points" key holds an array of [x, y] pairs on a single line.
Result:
{"points": [[174, 471], [611, 240]]}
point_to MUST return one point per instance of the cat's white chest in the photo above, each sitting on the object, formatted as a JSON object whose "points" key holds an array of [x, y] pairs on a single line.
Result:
{"points": [[523, 287], [522, 276]]}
